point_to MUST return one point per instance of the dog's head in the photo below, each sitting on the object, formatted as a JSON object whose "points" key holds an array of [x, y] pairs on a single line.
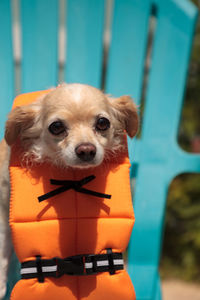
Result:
{"points": [[73, 125]]}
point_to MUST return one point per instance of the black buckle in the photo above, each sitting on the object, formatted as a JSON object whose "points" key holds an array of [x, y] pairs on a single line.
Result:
{"points": [[73, 265]]}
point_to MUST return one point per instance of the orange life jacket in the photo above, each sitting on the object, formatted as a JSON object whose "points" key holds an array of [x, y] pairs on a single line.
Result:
{"points": [[70, 224]]}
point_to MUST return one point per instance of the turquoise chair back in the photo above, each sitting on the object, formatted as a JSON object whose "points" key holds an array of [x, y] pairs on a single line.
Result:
{"points": [[118, 67]]}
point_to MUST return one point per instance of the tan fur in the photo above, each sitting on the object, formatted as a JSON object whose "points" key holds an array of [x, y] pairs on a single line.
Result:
{"points": [[126, 112], [5, 241], [78, 107]]}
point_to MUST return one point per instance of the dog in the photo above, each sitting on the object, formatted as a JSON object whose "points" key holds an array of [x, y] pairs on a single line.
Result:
{"points": [[72, 126]]}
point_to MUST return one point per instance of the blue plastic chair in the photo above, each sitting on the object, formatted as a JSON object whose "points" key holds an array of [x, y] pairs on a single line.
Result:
{"points": [[156, 156]]}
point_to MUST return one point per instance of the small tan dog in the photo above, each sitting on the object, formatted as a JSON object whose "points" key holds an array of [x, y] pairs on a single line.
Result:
{"points": [[74, 125]]}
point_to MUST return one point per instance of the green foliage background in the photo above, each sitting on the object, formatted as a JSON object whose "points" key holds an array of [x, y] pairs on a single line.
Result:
{"points": [[181, 248]]}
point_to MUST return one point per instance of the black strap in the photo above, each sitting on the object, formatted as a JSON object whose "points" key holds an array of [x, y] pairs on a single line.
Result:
{"points": [[40, 274], [88, 264], [110, 259], [72, 184]]}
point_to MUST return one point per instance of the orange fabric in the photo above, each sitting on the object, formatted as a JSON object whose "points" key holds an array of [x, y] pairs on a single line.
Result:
{"points": [[69, 224]]}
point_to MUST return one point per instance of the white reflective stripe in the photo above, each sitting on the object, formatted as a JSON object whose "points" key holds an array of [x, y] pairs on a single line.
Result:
{"points": [[106, 262], [102, 263], [118, 261], [34, 270], [49, 269], [88, 265], [28, 270]]}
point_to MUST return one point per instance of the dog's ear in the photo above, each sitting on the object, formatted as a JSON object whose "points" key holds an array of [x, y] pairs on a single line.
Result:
{"points": [[125, 111], [19, 121]]}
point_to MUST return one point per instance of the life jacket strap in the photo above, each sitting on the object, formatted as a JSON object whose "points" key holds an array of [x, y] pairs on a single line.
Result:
{"points": [[88, 264], [66, 185]]}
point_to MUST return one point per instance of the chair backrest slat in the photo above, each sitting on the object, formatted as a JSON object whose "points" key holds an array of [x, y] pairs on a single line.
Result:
{"points": [[39, 21], [127, 53], [84, 51], [128, 48], [170, 56]]}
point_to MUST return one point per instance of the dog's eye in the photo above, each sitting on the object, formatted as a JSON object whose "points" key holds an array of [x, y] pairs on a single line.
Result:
{"points": [[102, 124], [57, 128]]}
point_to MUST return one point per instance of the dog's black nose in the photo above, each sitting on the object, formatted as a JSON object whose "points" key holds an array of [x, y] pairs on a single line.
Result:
{"points": [[86, 151]]}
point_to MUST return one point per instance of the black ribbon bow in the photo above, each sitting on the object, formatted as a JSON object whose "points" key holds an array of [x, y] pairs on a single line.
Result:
{"points": [[66, 185]]}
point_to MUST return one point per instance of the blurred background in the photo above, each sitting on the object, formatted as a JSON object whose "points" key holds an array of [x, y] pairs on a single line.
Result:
{"points": [[181, 246], [183, 204]]}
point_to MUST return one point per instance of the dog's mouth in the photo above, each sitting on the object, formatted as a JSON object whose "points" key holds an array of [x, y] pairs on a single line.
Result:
{"points": [[85, 164], [79, 164], [83, 156]]}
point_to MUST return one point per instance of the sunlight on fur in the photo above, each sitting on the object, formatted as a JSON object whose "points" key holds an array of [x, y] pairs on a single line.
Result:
{"points": [[74, 125]]}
